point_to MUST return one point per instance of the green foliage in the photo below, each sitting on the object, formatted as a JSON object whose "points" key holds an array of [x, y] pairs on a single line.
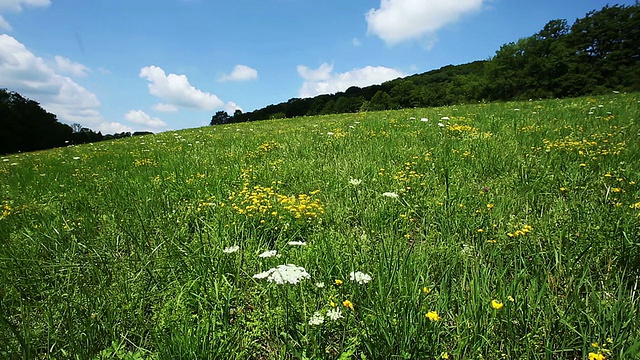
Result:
{"points": [[509, 230]]}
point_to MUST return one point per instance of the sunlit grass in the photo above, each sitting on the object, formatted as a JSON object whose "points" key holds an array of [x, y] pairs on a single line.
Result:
{"points": [[490, 231]]}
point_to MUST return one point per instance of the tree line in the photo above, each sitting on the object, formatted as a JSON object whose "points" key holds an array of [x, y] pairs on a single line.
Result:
{"points": [[596, 54], [26, 126]]}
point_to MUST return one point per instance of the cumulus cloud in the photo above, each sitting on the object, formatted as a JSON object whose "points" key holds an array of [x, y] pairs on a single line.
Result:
{"points": [[399, 20], [17, 6], [324, 81], [29, 75], [164, 107], [113, 127], [67, 66], [231, 107], [240, 73], [177, 91], [139, 117]]}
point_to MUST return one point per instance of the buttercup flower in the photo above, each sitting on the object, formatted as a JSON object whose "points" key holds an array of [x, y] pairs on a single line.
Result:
{"points": [[433, 316], [348, 304], [496, 304]]}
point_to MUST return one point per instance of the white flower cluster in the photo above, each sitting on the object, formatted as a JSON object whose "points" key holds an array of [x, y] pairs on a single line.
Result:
{"points": [[231, 249], [391, 195], [360, 277], [282, 274], [317, 318]]}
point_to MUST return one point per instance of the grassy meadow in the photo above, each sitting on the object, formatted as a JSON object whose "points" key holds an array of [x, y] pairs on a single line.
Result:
{"points": [[488, 231]]}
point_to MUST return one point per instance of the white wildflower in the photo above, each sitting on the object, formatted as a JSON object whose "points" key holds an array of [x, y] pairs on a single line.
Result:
{"points": [[269, 253], [76, 158], [329, 133], [355, 182], [391, 195], [320, 285], [334, 314], [297, 243], [282, 274], [441, 124], [360, 277], [424, 119], [231, 249], [445, 118], [316, 319]]}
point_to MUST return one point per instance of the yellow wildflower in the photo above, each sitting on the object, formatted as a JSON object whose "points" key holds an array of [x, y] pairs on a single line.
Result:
{"points": [[596, 356], [339, 282], [433, 316], [496, 304], [348, 304]]}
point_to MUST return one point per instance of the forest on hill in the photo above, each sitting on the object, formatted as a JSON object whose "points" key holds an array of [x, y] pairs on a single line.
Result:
{"points": [[596, 54]]}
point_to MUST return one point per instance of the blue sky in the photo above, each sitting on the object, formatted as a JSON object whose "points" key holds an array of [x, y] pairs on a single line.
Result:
{"points": [[123, 65]]}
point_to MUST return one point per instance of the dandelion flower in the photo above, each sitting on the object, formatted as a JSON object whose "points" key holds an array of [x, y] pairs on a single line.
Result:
{"points": [[348, 304], [360, 277], [433, 316], [334, 314], [355, 182], [316, 319], [496, 304], [297, 243], [231, 249], [282, 274], [338, 282], [596, 356], [270, 253], [391, 195]]}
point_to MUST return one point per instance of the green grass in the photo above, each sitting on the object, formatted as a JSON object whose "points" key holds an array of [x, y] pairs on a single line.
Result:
{"points": [[115, 249]]}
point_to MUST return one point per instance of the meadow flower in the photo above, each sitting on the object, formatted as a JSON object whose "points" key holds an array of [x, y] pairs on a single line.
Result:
{"points": [[282, 274], [596, 356], [338, 282], [440, 124], [391, 195], [355, 182], [297, 243], [426, 290], [360, 277], [433, 316], [348, 304], [334, 314], [424, 119], [316, 319], [269, 253], [320, 285], [496, 304], [231, 249]]}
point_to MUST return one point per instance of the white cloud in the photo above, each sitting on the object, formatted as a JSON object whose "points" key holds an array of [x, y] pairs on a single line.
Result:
{"points": [[141, 118], [113, 127], [240, 73], [164, 107], [24, 72], [17, 6], [4, 24], [177, 91], [319, 74], [399, 20], [67, 66], [231, 107], [323, 81]]}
